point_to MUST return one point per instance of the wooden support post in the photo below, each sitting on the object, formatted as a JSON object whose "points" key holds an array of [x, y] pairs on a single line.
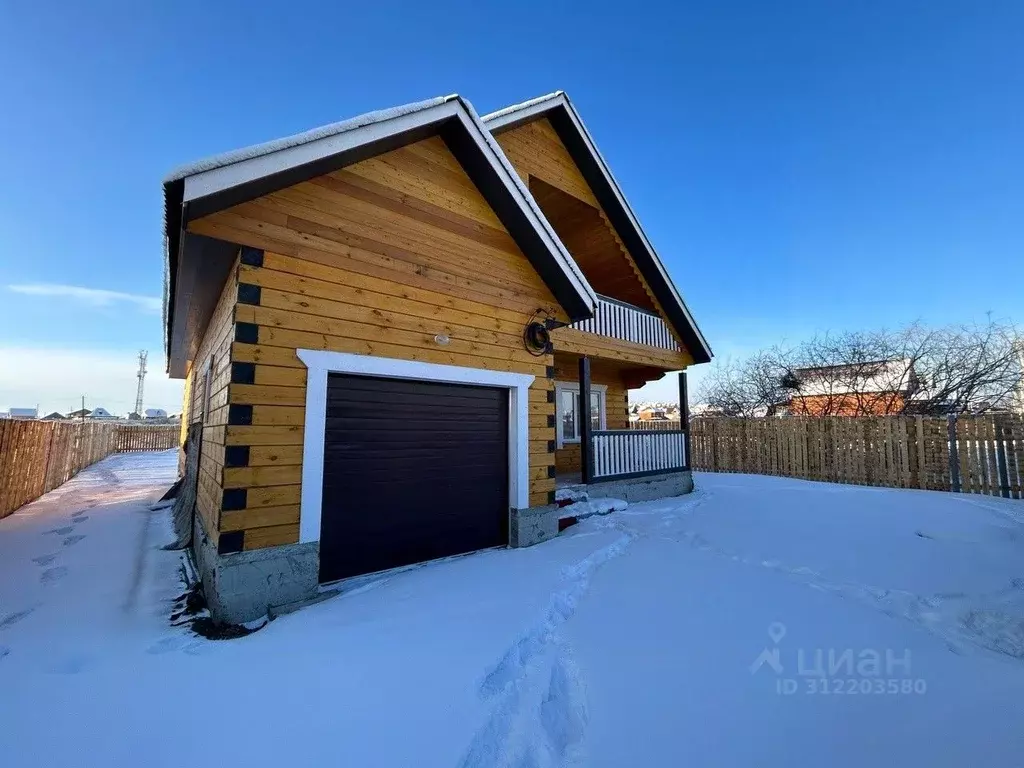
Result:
{"points": [[684, 416], [954, 454], [586, 439]]}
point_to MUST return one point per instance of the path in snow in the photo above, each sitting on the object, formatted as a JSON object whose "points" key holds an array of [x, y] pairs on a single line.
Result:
{"points": [[538, 695], [68, 540]]}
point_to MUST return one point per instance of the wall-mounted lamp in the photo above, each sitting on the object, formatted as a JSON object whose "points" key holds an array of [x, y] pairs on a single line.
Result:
{"points": [[443, 339]]}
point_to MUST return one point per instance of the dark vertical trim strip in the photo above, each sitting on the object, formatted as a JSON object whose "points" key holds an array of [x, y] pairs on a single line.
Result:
{"points": [[234, 498], [247, 333], [251, 257], [684, 416], [239, 415], [236, 456], [243, 373], [249, 294], [586, 439], [230, 541]]}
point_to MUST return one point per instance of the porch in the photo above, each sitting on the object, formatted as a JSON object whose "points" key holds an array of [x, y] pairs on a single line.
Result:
{"points": [[606, 447]]}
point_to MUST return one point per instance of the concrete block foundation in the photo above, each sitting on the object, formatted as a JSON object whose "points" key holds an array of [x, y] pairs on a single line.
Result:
{"points": [[244, 586], [536, 524], [639, 489]]}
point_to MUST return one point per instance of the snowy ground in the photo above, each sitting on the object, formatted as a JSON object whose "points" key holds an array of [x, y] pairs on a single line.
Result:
{"points": [[632, 639]]}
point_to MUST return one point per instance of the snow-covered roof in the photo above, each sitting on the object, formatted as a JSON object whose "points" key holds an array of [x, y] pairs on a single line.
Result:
{"points": [[298, 139], [226, 179], [567, 122], [873, 376]]}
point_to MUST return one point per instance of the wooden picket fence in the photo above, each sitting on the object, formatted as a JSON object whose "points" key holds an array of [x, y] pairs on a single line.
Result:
{"points": [[668, 425], [38, 456], [976, 454]]}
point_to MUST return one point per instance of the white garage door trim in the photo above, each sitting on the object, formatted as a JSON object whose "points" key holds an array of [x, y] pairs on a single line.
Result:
{"points": [[320, 363]]}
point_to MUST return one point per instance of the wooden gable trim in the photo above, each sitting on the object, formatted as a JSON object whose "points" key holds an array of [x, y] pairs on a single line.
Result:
{"points": [[214, 187], [559, 111]]}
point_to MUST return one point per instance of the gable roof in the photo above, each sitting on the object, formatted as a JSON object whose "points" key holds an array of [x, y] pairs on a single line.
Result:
{"points": [[220, 182], [566, 121]]}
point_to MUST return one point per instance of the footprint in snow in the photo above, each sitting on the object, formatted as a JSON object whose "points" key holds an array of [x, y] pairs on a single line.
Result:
{"points": [[44, 559], [53, 575], [4, 650], [73, 540], [13, 618], [186, 643], [63, 531], [72, 665], [78, 518]]}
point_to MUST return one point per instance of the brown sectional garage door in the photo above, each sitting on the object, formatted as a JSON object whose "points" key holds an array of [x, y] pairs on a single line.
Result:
{"points": [[412, 471]]}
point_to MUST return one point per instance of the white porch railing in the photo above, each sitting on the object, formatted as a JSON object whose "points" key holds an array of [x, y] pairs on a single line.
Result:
{"points": [[634, 453], [624, 321]]}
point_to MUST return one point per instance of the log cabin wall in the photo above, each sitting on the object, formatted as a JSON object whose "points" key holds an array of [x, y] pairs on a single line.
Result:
{"points": [[375, 259], [214, 351]]}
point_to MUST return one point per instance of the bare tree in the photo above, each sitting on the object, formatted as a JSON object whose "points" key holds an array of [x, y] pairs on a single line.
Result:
{"points": [[747, 388], [914, 369]]}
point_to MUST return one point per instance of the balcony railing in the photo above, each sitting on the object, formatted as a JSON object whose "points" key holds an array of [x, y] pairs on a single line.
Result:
{"points": [[619, 320], [620, 454]]}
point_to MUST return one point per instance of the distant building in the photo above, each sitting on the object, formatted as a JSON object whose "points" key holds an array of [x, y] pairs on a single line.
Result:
{"points": [[21, 413], [653, 414], [156, 413], [81, 413], [101, 413], [874, 388], [54, 417]]}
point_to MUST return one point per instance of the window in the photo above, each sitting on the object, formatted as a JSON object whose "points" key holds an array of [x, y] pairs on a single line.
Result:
{"points": [[567, 418]]}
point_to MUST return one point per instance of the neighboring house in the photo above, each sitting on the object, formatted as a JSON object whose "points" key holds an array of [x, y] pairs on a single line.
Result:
{"points": [[155, 413], [101, 414], [82, 413], [387, 329], [22, 414], [55, 417], [653, 414], [873, 388]]}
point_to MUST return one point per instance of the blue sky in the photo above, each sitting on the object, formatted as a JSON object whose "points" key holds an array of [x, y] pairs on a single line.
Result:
{"points": [[800, 166]]}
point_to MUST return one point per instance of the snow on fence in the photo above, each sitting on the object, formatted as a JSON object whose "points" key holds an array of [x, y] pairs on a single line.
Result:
{"points": [[38, 456], [972, 454]]}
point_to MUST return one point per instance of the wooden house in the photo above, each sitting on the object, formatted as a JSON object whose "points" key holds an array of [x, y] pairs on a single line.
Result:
{"points": [[390, 328]]}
